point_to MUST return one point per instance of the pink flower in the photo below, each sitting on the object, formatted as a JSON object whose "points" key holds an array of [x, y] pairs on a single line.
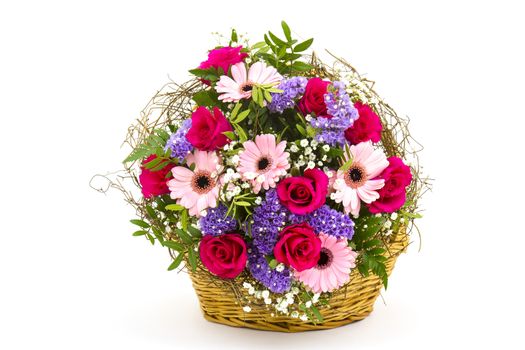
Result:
{"points": [[206, 132], [263, 162], [304, 194], [392, 196], [313, 98], [198, 189], [358, 182], [298, 247], [223, 58], [224, 256], [153, 183], [366, 128], [333, 268], [233, 90]]}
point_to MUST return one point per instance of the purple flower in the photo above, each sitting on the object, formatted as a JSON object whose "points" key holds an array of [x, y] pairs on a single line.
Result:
{"points": [[292, 88], [178, 143], [268, 218], [216, 222], [328, 221], [276, 281], [343, 112]]}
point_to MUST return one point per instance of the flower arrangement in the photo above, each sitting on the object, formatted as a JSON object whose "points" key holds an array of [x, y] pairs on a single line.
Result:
{"points": [[279, 181]]}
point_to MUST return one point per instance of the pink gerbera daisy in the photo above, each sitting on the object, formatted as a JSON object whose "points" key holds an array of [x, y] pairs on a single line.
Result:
{"points": [[333, 268], [357, 183], [198, 189], [241, 85], [263, 162]]}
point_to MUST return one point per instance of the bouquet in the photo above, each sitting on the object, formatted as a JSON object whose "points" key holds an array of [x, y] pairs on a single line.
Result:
{"points": [[279, 182]]}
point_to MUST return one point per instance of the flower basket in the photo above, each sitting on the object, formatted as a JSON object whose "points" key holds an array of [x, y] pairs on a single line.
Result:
{"points": [[220, 300], [286, 187]]}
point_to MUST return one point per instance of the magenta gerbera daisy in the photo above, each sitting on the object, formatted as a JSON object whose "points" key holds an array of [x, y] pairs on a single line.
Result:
{"points": [[333, 268], [357, 183], [198, 189], [263, 162], [232, 90]]}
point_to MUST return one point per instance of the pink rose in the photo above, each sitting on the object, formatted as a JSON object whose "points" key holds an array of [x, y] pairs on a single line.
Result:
{"points": [[153, 183], [223, 58], [206, 132], [366, 128], [224, 256], [298, 247], [313, 98], [393, 195], [304, 194]]}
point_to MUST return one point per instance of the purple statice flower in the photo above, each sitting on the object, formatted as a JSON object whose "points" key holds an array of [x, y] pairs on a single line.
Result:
{"points": [[216, 222], [328, 221], [268, 218], [343, 112], [276, 281], [178, 143], [292, 88]]}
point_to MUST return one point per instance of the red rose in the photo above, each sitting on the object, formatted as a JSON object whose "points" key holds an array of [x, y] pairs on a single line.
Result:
{"points": [[225, 255], [366, 128], [393, 195], [153, 183], [298, 247], [304, 194], [206, 132], [223, 57], [313, 98]]}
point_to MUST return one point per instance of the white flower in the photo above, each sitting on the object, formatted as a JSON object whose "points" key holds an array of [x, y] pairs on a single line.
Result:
{"points": [[326, 148], [304, 143], [304, 317], [294, 314], [265, 294], [247, 308], [268, 301], [294, 148], [311, 165], [308, 304], [314, 143], [307, 151], [312, 156], [315, 298], [388, 224], [279, 268], [393, 216], [258, 200], [246, 285], [235, 160]]}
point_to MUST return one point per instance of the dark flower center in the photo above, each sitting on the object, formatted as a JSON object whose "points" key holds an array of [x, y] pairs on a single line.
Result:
{"points": [[247, 88], [355, 176], [202, 182], [263, 164], [325, 259]]}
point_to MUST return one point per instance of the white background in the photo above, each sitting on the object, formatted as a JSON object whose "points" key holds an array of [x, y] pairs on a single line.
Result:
{"points": [[74, 75]]}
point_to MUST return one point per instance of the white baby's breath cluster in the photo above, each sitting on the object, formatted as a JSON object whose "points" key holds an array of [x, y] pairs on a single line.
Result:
{"points": [[287, 304], [308, 154]]}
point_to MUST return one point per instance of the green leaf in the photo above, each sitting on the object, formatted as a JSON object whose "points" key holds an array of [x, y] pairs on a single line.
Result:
{"points": [[241, 116], [206, 98], [258, 45], [234, 37], [316, 312], [273, 263], [174, 245], [194, 232], [241, 132], [140, 233], [287, 31], [276, 40], [230, 134], [184, 236], [140, 223], [267, 96], [184, 219], [301, 129], [243, 204], [174, 207], [303, 46], [346, 165], [235, 110], [192, 258], [176, 262], [301, 66], [150, 238]]}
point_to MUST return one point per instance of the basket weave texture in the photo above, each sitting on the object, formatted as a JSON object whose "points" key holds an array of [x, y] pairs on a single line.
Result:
{"points": [[219, 299]]}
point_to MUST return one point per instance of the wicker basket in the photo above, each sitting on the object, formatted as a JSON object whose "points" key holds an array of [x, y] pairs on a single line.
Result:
{"points": [[219, 299]]}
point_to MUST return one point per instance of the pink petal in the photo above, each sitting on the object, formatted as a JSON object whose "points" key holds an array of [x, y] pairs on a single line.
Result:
{"points": [[239, 73]]}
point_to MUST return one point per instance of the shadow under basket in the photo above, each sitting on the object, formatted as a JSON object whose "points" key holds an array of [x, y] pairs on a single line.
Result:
{"points": [[220, 300]]}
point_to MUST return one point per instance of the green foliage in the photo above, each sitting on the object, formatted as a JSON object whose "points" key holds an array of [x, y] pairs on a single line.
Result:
{"points": [[371, 249], [283, 54], [211, 74], [207, 98], [154, 144]]}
